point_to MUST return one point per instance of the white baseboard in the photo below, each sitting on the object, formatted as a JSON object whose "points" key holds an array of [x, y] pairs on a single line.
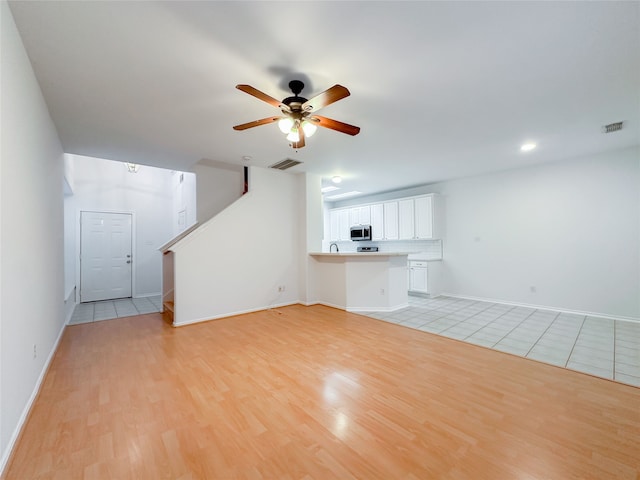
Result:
{"points": [[69, 305], [379, 309], [326, 304], [270, 307], [27, 408], [145, 295], [356, 309], [544, 307], [72, 291], [231, 314]]}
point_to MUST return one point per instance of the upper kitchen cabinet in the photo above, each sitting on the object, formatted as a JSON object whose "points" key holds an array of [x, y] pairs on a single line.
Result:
{"points": [[383, 218], [424, 217], [360, 215], [408, 218], [339, 224], [377, 221], [416, 218], [390, 220]]}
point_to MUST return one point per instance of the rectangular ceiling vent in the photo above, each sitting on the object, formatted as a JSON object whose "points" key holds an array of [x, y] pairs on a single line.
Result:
{"points": [[612, 127], [284, 164]]}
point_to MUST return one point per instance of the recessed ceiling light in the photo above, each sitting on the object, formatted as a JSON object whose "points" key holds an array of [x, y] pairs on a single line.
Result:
{"points": [[246, 158], [527, 147], [336, 179], [343, 195], [330, 188]]}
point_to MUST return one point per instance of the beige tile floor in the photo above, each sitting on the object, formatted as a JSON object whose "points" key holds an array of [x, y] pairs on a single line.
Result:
{"points": [[599, 346], [108, 309]]}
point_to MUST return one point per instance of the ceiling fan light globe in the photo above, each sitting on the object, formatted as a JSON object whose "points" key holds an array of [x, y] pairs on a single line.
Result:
{"points": [[309, 129], [293, 136], [285, 125]]}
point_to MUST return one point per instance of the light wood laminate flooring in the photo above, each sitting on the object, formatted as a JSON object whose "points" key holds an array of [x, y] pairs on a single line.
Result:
{"points": [[315, 393]]}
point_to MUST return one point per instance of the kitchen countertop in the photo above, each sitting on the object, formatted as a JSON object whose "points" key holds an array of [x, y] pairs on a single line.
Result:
{"points": [[418, 257], [358, 254]]}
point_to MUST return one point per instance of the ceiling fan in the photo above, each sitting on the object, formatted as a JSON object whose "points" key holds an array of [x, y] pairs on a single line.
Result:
{"points": [[298, 119]]}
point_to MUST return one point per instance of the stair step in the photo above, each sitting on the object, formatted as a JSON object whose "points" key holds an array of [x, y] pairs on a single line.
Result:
{"points": [[167, 312]]}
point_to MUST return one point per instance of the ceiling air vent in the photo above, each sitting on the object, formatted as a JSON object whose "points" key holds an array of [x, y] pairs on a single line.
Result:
{"points": [[612, 127], [284, 164]]}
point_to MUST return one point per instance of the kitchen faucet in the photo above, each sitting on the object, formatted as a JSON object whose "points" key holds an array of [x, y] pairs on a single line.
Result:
{"points": [[331, 247]]}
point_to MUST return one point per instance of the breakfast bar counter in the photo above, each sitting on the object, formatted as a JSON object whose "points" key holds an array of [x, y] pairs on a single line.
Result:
{"points": [[359, 282], [358, 254]]}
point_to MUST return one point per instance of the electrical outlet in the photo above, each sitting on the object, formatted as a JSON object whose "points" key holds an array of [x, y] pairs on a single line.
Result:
{"points": [[35, 350]]}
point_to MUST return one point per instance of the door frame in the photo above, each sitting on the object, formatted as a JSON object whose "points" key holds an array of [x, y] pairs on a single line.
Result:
{"points": [[78, 236]]}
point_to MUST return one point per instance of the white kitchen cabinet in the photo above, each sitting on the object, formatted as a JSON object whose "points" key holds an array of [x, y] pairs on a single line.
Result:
{"points": [[377, 221], [333, 225], [424, 277], [418, 277], [415, 218], [344, 231], [360, 215], [406, 220], [423, 215], [354, 216], [410, 218], [390, 220], [339, 224]]}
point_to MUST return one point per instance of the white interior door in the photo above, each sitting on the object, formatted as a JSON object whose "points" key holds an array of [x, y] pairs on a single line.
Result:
{"points": [[105, 256]]}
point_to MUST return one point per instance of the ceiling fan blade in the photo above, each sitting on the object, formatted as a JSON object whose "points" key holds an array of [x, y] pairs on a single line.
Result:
{"points": [[256, 123], [335, 125], [260, 95], [335, 93]]}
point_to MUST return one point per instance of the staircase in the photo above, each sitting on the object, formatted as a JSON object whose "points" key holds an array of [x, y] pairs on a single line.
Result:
{"points": [[167, 312]]}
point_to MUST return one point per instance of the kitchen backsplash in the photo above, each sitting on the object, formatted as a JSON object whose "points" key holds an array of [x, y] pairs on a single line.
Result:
{"points": [[432, 248]]}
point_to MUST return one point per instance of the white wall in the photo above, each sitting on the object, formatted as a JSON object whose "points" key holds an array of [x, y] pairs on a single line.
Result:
{"points": [[311, 210], [235, 262], [104, 185], [183, 192], [570, 229], [328, 282], [70, 233], [218, 185], [31, 235]]}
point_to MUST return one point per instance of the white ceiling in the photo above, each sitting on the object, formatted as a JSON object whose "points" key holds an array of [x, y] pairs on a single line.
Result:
{"points": [[440, 90]]}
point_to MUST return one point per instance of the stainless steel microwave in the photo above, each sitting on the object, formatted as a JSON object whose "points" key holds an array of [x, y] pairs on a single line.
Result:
{"points": [[361, 232]]}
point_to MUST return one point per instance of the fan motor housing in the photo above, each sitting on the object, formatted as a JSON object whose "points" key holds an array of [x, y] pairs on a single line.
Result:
{"points": [[294, 102]]}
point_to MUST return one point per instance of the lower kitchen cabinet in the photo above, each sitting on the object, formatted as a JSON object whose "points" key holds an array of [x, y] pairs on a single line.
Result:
{"points": [[424, 277], [418, 277]]}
